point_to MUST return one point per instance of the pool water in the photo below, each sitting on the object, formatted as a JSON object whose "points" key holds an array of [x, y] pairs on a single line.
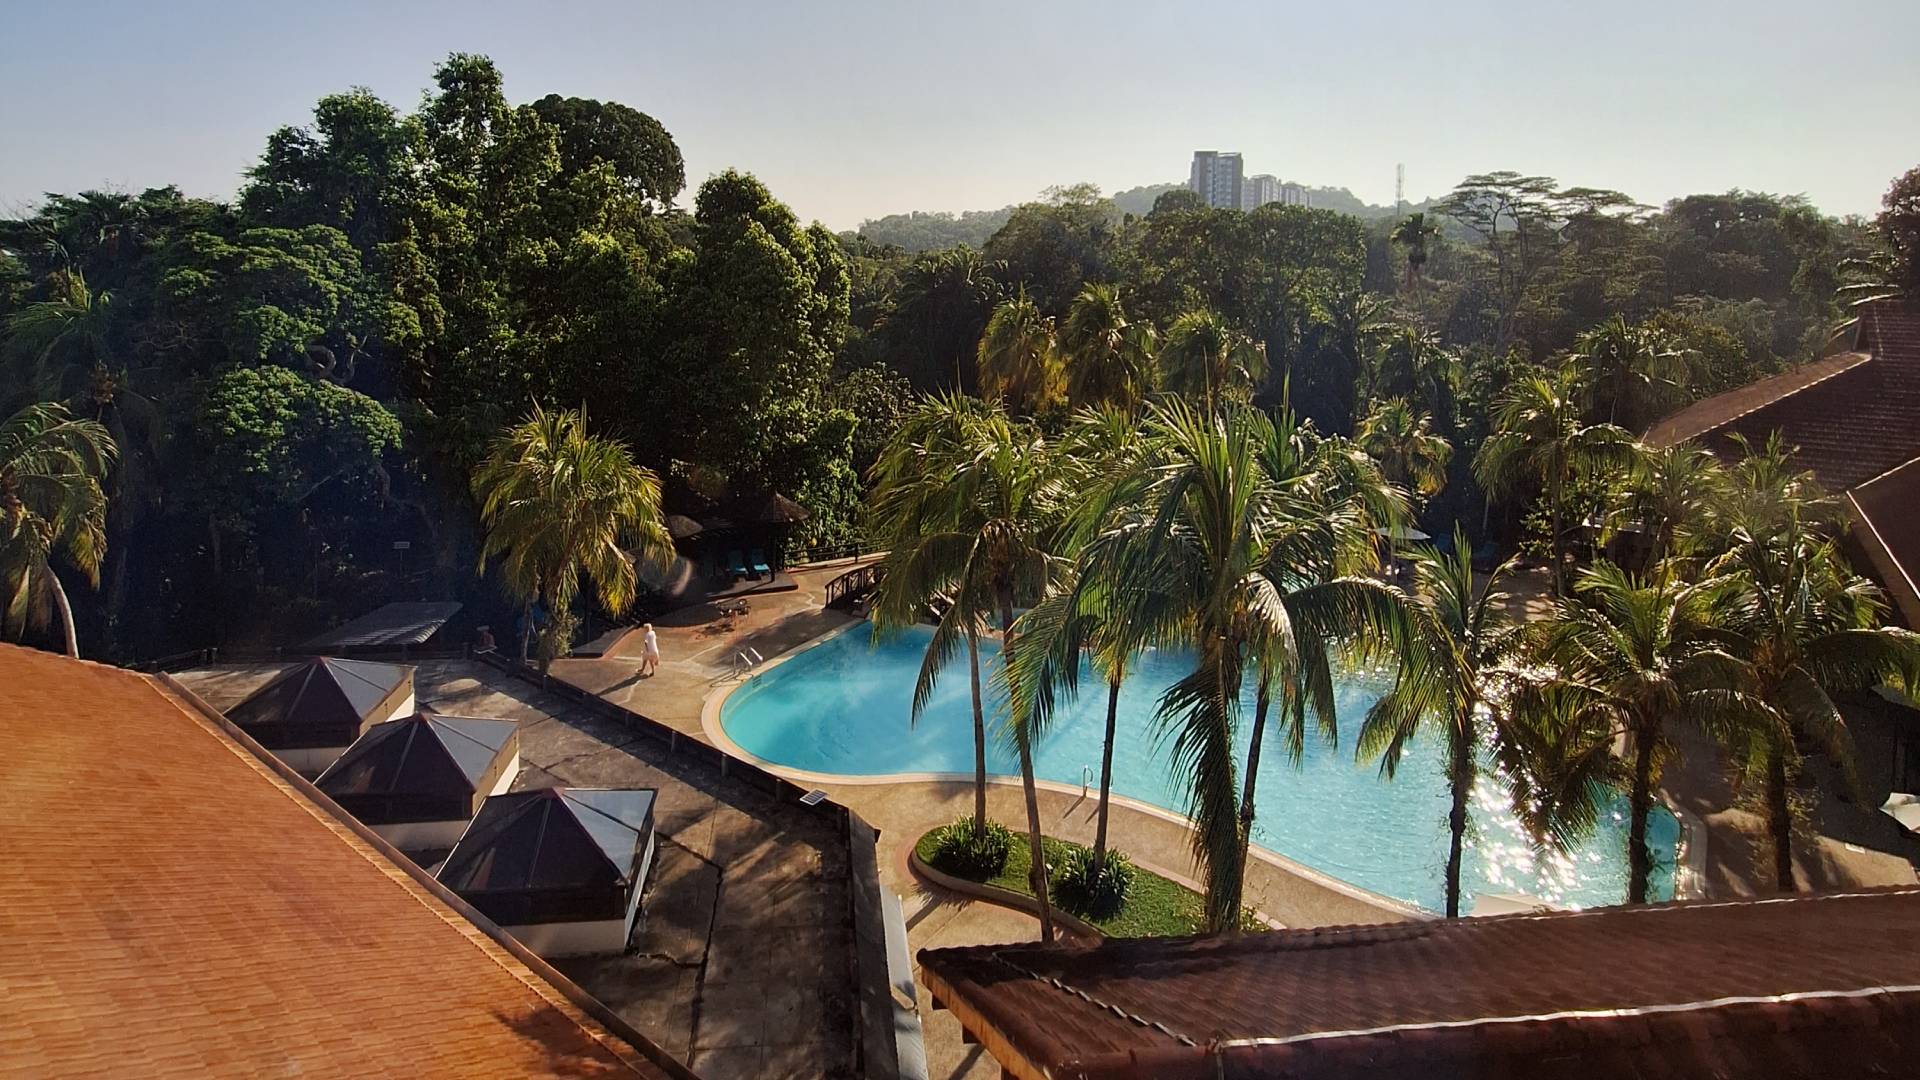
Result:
{"points": [[843, 706]]}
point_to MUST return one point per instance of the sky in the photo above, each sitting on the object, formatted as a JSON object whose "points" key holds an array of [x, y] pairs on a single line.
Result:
{"points": [[854, 110]]}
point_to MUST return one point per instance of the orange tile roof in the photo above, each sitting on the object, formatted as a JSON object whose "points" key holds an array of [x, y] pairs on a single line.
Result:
{"points": [[171, 905]]}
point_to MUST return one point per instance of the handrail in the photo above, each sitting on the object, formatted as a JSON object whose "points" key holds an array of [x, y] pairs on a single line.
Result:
{"points": [[854, 584]]}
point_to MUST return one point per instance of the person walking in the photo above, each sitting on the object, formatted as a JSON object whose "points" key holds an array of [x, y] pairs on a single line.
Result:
{"points": [[649, 651]]}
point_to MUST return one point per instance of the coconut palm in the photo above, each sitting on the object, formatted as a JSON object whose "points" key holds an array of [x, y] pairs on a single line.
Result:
{"points": [[556, 502], [975, 523], [1540, 434], [1804, 622], [1631, 369], [1109, 357], [1467, 688], [1206, 358], [1187, 545], [1019, 362], [1411, 232], [1412, 363], [1401, 439], [51, 504], [1670, 496], [1631, 656]]}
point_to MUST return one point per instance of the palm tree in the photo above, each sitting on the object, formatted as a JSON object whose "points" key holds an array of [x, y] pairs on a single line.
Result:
{"points": [[1206, 358], [1403, 442], [557, 501], [1019, 363], [1540, 434], [1411, 232], [1467, 688], [1670, 495], [1631, 369], [1109, 357], [1630, 656], [51, 503], [1412, 363], [942, 304], [974, 522], [1804, 621], [1190, 544], [909, 501]]}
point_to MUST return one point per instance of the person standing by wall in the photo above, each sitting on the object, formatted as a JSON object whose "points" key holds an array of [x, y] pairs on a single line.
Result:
{"points": [[649, 651]]}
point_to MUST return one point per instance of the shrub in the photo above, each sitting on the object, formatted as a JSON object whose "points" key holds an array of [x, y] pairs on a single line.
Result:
{"points": [[1085, 887], [975, 854]]}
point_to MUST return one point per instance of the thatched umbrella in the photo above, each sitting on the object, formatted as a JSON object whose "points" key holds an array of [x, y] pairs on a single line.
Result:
{"points": [[682, 527]]}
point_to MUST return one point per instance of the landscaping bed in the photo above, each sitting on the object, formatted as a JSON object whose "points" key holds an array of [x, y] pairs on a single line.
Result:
{"points": [[1155, 906]]}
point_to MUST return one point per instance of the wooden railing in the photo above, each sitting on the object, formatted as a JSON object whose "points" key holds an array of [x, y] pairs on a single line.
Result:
{"points": [[853, 585]]}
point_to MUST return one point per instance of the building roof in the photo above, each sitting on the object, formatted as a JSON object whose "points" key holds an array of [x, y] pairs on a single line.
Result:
{"points": [[1850, 419], [394, 624], [178, 904], [552, 839], [422, 754], [1821, 986], [323, 692], [1886, 512]]}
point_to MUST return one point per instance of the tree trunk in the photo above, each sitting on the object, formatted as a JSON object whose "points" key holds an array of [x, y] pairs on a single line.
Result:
{"points": [[979, 737], [1460, 777], [1106, 774], [526, 632], [1261, 703], [1780, 818], [1639, 859], [1558, 551], [1037, 863], [66, 613]]}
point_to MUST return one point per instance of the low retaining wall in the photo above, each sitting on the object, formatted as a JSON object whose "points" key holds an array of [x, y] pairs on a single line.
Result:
{"points": [[994, 894]]}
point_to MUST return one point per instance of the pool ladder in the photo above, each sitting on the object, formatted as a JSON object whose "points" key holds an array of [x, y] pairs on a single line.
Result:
{"points": [[746, 660], [1086, 779]]}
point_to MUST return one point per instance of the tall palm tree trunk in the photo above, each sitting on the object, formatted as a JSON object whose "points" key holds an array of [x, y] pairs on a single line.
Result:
{"points": [[1261, 704], [1037, 864], [1106, 773], [979, 738], [1639, 858], [1780, 818], [526, 631], [1557, 546], [1460, 775], [66, 613]]}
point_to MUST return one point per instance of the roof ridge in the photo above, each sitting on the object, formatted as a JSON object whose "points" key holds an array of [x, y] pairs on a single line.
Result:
{"points": [[1058, 984]]}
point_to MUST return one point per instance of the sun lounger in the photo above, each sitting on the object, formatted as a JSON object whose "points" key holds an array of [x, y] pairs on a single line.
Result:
{"points": [[760, 567], [736, 564]]}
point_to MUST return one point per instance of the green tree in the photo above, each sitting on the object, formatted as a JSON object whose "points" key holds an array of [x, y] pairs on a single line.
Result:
{"points": [[1403, 442], [557, 502], [1109, 357], [1469, 687], [972, 523], [942, 306], [1540, 435], [51, 504], [642, 155], [1632, 656], [1412, 233], [1019, 360], [1207, 359], [1632, 370]]}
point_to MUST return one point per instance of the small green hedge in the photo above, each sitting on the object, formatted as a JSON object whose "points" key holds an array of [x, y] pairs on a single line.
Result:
{"points": [[966, 852], [1154, 905]]}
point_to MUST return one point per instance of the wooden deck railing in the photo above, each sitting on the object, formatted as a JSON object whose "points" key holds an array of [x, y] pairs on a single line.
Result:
{"points": [[853, 585]]}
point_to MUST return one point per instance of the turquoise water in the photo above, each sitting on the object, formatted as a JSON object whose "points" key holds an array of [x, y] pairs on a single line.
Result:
{"points": [[843, 707]]}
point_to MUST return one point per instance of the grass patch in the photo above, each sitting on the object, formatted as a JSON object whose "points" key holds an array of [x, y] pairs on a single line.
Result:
{"points": [[1155, 906]]}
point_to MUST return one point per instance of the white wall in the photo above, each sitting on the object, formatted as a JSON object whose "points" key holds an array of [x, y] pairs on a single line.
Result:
{"points": [[310, 761], [587, 938]]}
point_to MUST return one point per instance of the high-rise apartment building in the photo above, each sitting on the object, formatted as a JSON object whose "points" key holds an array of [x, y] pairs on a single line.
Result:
{"points": [[1295, 195], [1216, 178], [1258, 191]]}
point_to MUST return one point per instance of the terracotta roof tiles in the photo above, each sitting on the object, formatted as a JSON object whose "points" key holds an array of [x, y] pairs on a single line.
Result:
{"points": [[174, 906]]}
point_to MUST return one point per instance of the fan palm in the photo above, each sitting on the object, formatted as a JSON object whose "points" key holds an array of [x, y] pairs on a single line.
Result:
{"points": [[556, 502], [1540, 434], [974, 522], [1109, 358], [1206, 358], [1631, 656], [1805, 624], [51, 503], [1402, 441], [1019, 363], [1467, 688], [1631, 369]]}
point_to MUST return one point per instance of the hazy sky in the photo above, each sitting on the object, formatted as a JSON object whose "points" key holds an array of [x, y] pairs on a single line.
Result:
{"points": [[852, 110]]}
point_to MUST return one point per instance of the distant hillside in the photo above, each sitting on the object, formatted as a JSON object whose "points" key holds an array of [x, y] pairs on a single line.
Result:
{"points": [[929, 230]]}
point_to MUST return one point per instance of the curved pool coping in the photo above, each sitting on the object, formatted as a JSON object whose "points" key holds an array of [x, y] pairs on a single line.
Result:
{"points": [[1689, 856]]}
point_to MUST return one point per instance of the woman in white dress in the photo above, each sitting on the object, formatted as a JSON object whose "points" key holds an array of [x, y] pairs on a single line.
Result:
{"points": [[649, 651]]}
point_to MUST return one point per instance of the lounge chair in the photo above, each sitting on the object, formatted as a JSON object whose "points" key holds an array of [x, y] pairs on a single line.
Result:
{"points": [[736, 564], [760, 567]]}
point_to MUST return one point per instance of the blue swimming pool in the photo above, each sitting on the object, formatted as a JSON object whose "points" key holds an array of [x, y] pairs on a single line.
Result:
{"points": [[842, 707]]}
